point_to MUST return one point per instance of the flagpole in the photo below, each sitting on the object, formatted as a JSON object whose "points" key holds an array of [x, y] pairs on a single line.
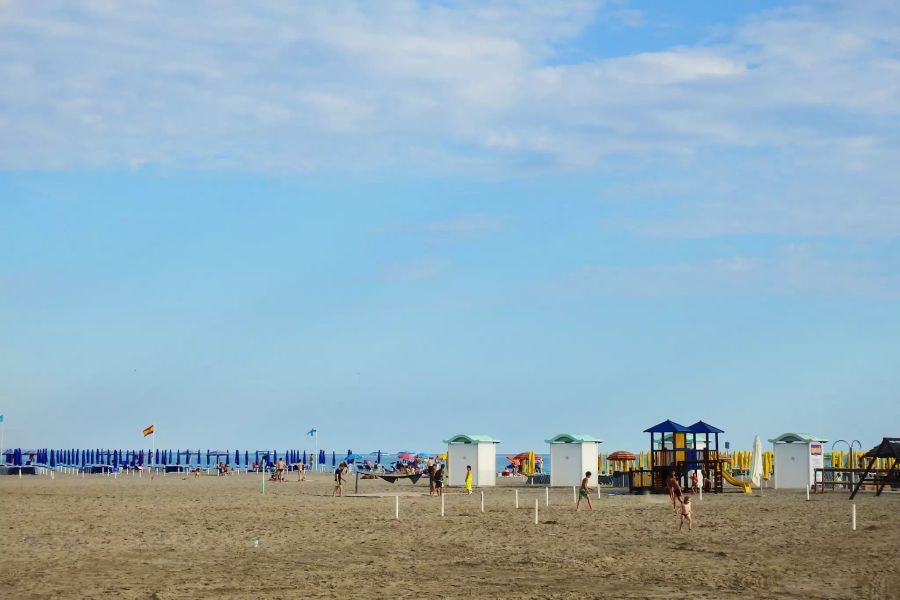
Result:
{"points": [[317, 449], [2, 431]]}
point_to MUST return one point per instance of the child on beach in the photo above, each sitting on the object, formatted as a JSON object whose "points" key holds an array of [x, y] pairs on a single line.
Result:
{"points": [[686, 514], [583, 492], [694, 488], [339, 481], [469, 479]]}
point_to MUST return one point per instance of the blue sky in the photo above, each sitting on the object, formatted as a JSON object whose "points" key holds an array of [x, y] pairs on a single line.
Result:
{"points": [[403, 222]]}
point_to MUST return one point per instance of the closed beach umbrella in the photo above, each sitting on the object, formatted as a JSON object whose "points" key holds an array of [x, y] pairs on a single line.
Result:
{"points": [[756, 464], [178, 457], [246, 457], [333, 458], [378, 460], [237, 458], [304, 457], [52, 459]]}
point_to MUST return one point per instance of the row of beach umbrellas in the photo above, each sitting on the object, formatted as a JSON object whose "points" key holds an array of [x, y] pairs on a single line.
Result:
{"points": [[82, 457]]}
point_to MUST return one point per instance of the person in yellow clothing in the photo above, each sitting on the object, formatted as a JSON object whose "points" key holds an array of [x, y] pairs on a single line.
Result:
{"points": [[469, 479]]}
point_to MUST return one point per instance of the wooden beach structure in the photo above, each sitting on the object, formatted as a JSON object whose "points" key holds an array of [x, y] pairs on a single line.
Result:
{"points": [[889, 449]]}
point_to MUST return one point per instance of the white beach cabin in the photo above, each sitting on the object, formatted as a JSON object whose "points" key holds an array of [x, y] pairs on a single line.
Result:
{"points": [[797, 455], [571, 456], [477, 451]]}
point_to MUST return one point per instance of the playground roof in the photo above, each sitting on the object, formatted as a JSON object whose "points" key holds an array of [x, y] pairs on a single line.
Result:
{"points": [[468, 438], [888, 448], [668, 426], [572, 438], [701, 427], [796, 438]]}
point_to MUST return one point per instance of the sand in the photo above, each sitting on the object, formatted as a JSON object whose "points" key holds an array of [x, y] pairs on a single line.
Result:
{"points": [[177, 537]]}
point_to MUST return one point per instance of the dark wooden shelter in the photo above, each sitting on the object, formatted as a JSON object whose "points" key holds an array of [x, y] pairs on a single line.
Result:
{"points": [[889, 448]]}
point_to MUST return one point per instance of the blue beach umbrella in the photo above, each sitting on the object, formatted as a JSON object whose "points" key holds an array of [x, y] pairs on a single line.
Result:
{"points": [[141, 457], [333, 458], [378, 460], [304, 457], [178, 457], [52, 460], [246, 457]]}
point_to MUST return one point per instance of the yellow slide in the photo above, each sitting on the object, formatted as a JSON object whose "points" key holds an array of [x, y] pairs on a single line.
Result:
{"points": [[736, 482]]}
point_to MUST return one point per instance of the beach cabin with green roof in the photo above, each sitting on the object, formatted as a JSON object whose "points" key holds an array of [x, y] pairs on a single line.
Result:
{"points": [[477, 451], [797, 456], [571, 456]]}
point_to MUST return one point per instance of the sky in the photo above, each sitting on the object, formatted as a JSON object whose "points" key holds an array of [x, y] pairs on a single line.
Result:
{"points": [[399, 221]]}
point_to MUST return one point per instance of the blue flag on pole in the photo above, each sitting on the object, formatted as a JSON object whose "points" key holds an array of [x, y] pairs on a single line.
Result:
{"points": [[1, 418], [310, 433]]}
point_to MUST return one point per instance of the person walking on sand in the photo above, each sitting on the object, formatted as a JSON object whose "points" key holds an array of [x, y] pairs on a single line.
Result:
{"points": [[673, 489], [439, 481], [469, 479], [431, 471], [338, 481], [583, 492], [686, 514]]}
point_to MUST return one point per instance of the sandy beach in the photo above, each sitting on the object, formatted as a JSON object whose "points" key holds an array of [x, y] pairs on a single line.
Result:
{"points": [[181, 537]]}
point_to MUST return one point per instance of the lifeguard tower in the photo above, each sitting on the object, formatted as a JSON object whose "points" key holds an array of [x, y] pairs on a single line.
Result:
{"points": [[675, 447]]}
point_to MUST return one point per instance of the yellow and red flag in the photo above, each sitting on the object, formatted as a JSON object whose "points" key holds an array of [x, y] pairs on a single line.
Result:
{"points": [[148, 431]]}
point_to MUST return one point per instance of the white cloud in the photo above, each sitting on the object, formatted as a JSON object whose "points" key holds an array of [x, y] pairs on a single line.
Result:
{"points": [[420, 269], [458, 228], [470, 87], [794, 270]]}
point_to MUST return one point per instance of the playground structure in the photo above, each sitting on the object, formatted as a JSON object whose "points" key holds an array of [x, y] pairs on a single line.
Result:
{"points": [[681, 450]]}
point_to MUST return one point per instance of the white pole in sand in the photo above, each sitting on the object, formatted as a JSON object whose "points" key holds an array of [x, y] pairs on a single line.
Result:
{"points": [[482, 500], [263, 471], [574, 495], [807, 493], [547, 496], [517, 498], [397, 508], [442, 505], [701, 491], [535, 511], [853, 517]]}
